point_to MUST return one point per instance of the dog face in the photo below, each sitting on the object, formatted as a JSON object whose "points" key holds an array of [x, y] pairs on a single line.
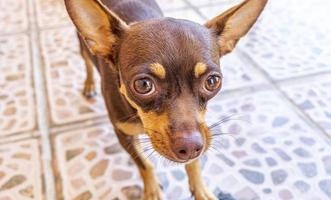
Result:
{"points": [[168, 68]]}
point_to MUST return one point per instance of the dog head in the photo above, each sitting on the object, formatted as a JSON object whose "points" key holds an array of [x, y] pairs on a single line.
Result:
{"points": [[168, 68]]}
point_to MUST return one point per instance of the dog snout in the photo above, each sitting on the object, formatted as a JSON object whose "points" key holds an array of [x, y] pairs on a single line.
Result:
{"points": [[187, 146]]}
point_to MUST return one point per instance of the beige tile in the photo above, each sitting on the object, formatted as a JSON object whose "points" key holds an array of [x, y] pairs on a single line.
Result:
{"points": [[212, 2], [51, 13], [13, 16], [92, 163], [20, 171], [313, 97], [17, 111], [171, 4], [288, 43], [188, 14], [238, 72], [266, 150], [65, 74], [212, 11]]}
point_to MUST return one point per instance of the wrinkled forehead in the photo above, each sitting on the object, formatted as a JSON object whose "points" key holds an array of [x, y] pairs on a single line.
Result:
{"points": [[172, 43]]}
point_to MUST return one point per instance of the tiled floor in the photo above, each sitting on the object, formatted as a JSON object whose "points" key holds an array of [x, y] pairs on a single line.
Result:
{"points": [[55, 144]]}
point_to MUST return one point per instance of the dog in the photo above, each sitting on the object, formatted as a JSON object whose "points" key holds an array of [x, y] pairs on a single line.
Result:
{"points": [[157, 75]]}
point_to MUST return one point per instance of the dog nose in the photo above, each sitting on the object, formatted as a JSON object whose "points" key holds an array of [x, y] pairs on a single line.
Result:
{"points": [[188, 146]]}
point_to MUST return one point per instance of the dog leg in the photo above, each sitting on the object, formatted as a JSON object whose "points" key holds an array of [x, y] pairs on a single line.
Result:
{"points": [[89, 86], [197, 187], [152, 190]]}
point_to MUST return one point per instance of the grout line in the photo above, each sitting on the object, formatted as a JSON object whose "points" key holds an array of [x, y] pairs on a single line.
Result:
{"points": [[41, 105], [195, 9], [282, 80], [92, 123], [16, 137], [56, 27], [255, 87], [276, 86], [303, 77], [77, 125], [26, 32]]}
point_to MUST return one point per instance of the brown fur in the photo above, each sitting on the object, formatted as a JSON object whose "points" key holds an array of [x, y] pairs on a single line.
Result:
{"points": [[130, 39]]}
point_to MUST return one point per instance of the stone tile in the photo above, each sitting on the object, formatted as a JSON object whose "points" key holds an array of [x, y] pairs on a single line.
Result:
{"points": [[51, 13], [286, 42], [198, 3], [13, 16], [65, 74], [92, 163], [171, 4], [188, 14], [313, 97], [88, 168], [217, 7], [272, 163], [16, 97], [238, 72], [275, 156], [20, 171]]}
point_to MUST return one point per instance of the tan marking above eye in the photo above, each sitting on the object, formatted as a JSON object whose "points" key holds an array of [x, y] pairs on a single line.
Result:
{"points": [[199, 69], [158, 70]]}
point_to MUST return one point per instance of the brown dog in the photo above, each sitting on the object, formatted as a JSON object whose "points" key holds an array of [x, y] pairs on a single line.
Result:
{"points": [[157, 75]]}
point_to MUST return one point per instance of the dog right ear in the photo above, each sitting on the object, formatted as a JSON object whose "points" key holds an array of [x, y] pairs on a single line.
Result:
{"points": [[234, 23], [98, 26]]}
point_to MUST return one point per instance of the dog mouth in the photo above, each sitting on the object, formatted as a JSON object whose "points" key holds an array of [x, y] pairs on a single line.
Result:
{"points": [[185, 161], [177, 160]]}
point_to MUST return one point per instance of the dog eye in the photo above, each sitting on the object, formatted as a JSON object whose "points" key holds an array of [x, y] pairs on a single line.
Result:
{"points": [[213, 82], [144, 86]]}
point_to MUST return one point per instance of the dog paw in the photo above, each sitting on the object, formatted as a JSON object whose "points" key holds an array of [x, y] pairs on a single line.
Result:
{"points": [[203, 194], [153, 192], [89, 91]]}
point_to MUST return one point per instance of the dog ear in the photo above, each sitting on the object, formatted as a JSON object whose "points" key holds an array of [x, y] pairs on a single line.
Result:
{"points": [[234, 23], [99, 27]]}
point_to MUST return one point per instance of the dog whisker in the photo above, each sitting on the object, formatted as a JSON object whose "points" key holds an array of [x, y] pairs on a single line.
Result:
{"points": [[211, 148], [215, 138], [148, 149], [148, 156], [221, 134], [227, 119], [143, 142], [222, 120]]}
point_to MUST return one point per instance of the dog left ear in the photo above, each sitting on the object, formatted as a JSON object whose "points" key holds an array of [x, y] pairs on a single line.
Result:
{"points": [[99, 27], [234, 23]]}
